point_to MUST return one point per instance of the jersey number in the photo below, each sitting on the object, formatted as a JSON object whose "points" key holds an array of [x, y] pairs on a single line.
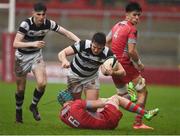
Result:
{"points": [[73, 121], [116, 34]]}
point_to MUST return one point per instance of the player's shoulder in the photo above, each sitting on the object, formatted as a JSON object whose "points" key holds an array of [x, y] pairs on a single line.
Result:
{"points": [[85, 43], [26, 23], [81, 43], [107, 51], [88, 42], [131, 26], [80, 46], [117, 24], [122, 24], [50, 21]]}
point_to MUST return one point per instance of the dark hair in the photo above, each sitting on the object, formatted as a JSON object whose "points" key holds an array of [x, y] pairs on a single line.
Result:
{"points": [[39, 7], [99, 38], [133, 6]]}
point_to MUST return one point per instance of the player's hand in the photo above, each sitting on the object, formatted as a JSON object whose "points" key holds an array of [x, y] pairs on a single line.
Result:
{"points": [[140, 67], [109, 72], [65, 64], [39, 44], [106, 72]]}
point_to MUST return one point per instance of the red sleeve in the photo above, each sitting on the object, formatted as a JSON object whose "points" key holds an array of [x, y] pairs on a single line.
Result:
{"points": [[81, 103], [132, 37]]}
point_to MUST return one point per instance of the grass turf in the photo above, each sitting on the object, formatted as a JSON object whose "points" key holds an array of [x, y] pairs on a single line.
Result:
{"points": [[164, 97]]}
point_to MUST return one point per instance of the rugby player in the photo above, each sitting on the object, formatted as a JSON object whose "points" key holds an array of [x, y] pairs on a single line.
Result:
{"points": [[123, 41], [28, 43]]}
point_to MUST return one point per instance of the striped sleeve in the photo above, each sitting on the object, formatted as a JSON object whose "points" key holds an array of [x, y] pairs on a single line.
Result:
{"points": [[24, 27], [54, 26], [78, 46]]}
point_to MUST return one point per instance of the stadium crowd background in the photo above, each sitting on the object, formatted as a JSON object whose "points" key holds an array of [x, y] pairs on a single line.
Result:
{"points": [[159, 31]]}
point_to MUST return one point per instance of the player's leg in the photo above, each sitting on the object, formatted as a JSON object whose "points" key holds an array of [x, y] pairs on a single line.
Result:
{"points": [[21, 69], [132, 107], [39, 71], [132, 91], [19, 96], [132, 74], [75, 86], [140, 86], [127, 104], [91, 94], [122, 87], [121, 90], [91, 91]]}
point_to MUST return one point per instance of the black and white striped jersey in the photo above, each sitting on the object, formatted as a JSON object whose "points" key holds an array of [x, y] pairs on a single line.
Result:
{"points": [[36, 33], [85, 63]]}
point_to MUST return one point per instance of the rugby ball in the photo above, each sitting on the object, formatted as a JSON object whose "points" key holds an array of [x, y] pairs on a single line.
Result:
{"points": [[109, 63]]}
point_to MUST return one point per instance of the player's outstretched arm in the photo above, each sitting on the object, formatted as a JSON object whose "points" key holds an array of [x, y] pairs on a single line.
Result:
{"points": [[68, 34]]}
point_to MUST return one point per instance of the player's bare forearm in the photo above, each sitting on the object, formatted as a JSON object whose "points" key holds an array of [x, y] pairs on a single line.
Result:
{"points": [[68, 34], [62, 56], [133, 53], [20, 43], [37, 44], [136, 59], [72, 36], [119, 73], [63, 59]]}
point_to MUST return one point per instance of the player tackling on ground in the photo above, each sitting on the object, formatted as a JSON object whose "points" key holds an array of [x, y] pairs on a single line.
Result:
{"points": [[28, 56], [76, 113]]}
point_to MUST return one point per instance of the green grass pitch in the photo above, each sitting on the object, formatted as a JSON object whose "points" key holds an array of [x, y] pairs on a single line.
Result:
{"points": [[166, 98]]}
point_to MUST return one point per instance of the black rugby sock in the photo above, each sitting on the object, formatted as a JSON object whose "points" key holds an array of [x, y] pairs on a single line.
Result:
{"points": [[36, 97]]}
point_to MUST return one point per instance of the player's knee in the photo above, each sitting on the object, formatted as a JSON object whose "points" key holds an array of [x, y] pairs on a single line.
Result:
{"points": [[42, 84], [141, 84], [114, 100], [20, 88], [121, 90]]}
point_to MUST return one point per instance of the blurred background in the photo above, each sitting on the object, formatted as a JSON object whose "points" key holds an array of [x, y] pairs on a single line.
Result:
{"points": [[158, 31]]}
